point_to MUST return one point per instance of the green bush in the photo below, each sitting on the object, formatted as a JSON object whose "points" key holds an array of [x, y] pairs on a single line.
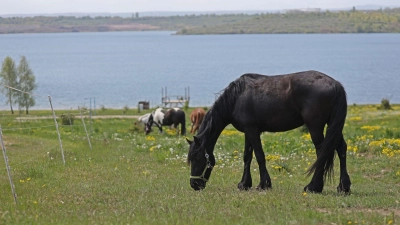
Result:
{"points": [[186, 106], [385, 104], [67, 119], [125, 109]]}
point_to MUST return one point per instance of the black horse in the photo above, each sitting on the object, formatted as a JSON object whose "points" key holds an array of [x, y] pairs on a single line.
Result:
{"points": [[161, 117], [255, 103]]}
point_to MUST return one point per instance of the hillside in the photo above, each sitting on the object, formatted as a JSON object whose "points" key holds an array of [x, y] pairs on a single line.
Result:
{"points": [[353, 21]]}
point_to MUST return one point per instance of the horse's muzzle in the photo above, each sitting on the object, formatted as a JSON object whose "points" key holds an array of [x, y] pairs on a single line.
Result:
{"points": [[197, 184], [147, 130]]}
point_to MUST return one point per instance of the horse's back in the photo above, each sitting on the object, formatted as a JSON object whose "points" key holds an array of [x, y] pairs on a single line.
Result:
{"points": [[172, 116], [284, 102], [197, 115], [290, 88]]}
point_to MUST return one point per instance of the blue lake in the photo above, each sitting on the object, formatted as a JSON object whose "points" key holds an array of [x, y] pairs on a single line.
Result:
{"points": [[122, 68]]}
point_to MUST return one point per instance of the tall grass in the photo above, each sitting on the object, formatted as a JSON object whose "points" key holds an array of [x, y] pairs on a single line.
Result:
{"points": [[130, 178]]}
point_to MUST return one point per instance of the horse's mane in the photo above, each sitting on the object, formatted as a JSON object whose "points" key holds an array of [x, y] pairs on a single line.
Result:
{"points": [[221, 111]]}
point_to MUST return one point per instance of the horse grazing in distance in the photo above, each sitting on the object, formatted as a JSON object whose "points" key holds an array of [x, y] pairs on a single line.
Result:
{"points": [[143, 119], [196, 117], [256, 103], [171, 117]]}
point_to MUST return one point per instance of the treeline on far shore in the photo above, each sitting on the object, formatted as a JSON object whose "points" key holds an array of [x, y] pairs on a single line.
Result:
{"points": [[352, 21]]}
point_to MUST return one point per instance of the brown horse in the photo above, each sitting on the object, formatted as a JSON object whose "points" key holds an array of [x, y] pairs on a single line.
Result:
{"points": [[196, 117]]}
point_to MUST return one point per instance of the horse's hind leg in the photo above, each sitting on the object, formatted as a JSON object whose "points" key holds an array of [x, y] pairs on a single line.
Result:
{"points": [[183, 129], [246, 182], [194, 126], [317, 181], [344, 184], [191, 129], [175, 127]]}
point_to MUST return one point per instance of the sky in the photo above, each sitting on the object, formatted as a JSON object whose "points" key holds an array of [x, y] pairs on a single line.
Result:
{"points": [[123, 6]]}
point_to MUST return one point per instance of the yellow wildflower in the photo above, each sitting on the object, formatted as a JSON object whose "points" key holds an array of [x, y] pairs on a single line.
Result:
{"points": [[230, 132], [150, 138], [306, 136], [272, 158], [370, 128]]}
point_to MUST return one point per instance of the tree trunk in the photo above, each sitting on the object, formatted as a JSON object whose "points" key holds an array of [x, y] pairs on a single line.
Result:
{"points": [[9, 98], [26, 106]]}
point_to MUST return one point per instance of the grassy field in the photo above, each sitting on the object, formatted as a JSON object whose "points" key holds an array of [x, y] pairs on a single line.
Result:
{"points": [[130, 178]]}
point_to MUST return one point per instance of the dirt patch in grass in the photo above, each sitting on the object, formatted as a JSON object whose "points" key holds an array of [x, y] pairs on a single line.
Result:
{"points": [[85, 116], [383, 212]]}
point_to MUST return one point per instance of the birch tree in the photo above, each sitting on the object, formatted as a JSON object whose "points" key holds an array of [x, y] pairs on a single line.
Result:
{"points": [[8, 76], [26, 83]]}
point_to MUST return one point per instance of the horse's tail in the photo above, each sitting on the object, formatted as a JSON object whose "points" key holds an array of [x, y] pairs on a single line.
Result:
{"points": [[334, 135], [198, 118]]}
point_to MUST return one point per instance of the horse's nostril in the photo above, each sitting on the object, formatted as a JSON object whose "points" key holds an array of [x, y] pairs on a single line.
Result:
{"points": [[197, 185]]}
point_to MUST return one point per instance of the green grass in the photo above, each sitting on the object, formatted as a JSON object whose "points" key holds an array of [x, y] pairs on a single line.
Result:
{"points": [[128, 178]]}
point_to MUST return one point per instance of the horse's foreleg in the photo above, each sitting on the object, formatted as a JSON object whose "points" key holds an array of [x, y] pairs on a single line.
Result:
{"points": [[159, 127], [345, 183], [253, 136], [246, 182]]}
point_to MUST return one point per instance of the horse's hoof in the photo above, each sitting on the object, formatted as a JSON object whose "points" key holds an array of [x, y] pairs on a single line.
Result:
{"points": [[243, 187], [344, 186], [311, 189], [264, 187], [342, 190]]}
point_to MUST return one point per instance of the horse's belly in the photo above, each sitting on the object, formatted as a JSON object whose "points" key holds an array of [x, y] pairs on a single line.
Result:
{"points": [[281, 127], [272, 123], [281, 122]]}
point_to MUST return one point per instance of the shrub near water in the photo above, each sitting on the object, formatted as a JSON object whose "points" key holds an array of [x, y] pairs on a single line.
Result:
{"points": [[385, 104], [67, 119], [130, 178]]}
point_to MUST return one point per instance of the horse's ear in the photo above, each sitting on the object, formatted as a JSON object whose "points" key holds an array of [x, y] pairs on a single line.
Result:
{"points": [[189, 141], [196, 140]]}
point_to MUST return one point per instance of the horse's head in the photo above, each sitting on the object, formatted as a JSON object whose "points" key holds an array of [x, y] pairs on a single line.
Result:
{"points": [[201, 163], [147, 127]]}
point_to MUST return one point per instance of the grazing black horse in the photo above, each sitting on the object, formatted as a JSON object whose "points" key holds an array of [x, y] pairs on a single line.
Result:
{"points": [[161, 117], [256, 103]]}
